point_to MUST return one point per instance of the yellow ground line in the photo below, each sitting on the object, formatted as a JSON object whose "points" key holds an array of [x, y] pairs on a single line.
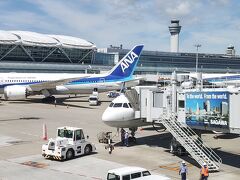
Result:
{"points": [[173, 166]]}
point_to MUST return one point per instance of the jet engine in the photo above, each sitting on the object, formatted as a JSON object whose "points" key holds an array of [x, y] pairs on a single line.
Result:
{"points": [[15, 92]]}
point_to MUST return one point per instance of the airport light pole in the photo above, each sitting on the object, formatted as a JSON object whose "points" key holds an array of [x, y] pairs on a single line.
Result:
{"points": [[197, 46]]}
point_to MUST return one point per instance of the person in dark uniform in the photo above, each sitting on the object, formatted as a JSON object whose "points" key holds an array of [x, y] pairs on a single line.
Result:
{"points": [[183, 171]]}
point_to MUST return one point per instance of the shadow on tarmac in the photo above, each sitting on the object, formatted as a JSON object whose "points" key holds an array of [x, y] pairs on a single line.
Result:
{"points": [[158, 140], [229, 158], [226, 136], [60, 101], [22, 119], [76, 157], [163, 140]]}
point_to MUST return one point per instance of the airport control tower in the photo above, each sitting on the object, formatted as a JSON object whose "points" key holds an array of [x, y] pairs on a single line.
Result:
{"points": [[174, 29]]}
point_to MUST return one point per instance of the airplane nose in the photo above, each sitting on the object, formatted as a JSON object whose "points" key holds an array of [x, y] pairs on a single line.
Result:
{"points": [[117, 117], [108, 116]]}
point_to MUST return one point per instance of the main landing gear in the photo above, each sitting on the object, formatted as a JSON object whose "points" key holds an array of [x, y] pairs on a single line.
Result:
{"points": [[132, 137]]}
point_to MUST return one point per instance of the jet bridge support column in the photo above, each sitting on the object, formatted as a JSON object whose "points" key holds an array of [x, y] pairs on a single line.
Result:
{"points": [[174, 92], [199, 81]]}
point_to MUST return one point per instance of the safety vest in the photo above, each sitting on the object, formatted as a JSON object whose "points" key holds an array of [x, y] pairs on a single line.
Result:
{"points": [[204, 171]]}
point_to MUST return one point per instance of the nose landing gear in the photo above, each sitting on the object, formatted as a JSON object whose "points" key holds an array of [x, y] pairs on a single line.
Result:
{"points": [[132, 137]]}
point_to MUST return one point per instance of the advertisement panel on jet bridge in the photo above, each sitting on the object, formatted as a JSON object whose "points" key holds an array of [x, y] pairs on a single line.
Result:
{"points": [[209, 109]]}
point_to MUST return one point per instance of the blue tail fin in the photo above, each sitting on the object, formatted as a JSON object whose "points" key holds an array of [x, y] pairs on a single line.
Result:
{"points": [[126, 66]]}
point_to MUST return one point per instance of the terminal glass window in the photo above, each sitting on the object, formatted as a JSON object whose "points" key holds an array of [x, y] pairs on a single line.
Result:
{"points": [[65, 133]]}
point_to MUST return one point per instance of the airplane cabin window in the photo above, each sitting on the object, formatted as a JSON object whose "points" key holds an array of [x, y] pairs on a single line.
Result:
{"points": [[125, 105], [111, 105], [117, 105], [130, 105]]}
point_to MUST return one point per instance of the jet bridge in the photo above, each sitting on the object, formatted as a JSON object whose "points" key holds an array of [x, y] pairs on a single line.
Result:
{"points": [[180, 109], [155, 105], [210, 109]]}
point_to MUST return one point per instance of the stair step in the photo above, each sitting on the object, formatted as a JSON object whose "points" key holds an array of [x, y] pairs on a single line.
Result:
{"points": [[192, 143]]}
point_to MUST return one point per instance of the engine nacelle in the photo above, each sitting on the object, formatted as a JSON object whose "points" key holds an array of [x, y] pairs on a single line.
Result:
{"points": [[62, 89], [15, 92]]}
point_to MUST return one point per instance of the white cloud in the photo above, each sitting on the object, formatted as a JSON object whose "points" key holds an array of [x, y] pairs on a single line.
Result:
{"points": [[25, 21], [127, 22], [181, 9]]}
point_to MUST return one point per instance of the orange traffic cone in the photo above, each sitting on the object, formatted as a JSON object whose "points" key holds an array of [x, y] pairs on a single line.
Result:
{"points": [[44, 137]]}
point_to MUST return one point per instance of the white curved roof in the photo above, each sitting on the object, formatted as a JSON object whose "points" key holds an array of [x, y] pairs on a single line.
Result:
{"points": [[33, 38], [36, 39], [7, 37], [73, 42]]}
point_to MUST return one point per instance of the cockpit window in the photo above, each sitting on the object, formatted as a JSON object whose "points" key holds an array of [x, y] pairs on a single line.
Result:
{"points": [[111, 105], [125, 105], [117, 105], [130, 105]]}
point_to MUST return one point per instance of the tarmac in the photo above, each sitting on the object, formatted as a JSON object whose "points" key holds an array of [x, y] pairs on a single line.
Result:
{"points": [[21, 124]]}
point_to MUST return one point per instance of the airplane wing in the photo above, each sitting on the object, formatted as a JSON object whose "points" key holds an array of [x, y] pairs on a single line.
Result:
{"points": [[138, 78], [134, 79], [52, 84]]}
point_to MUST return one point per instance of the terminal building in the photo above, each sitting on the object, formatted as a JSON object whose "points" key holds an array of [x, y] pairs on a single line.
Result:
{"points": [[152, 62], [23, 51]]}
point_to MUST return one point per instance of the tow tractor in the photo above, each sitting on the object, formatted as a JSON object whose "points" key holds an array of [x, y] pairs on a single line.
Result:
{"points": [[69, 143]]}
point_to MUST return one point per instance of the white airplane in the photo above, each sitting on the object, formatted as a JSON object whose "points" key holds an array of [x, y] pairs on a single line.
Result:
{"points": [[217, 79], [223, 79], [16, 86], [121, 114]]}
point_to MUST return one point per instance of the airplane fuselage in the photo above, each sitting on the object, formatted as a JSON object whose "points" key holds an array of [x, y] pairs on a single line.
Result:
{"points": [[84, 85], [220, 79]]}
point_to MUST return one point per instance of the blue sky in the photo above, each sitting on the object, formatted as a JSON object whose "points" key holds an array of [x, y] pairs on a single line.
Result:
{"points": [[212, 23]]}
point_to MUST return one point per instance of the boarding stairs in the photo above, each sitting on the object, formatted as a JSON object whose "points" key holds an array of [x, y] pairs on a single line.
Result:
{"points": [[192, 142]]}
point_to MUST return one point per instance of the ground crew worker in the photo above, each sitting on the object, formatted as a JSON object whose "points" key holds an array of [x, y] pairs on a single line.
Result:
{"points": [[126, 138], [204, 172], [110, 147], [183, 171], [122, 136]]}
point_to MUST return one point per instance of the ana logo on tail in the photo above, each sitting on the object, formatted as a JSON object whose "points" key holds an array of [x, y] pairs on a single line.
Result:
{"points": [[128, 60], [126, 66]]}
